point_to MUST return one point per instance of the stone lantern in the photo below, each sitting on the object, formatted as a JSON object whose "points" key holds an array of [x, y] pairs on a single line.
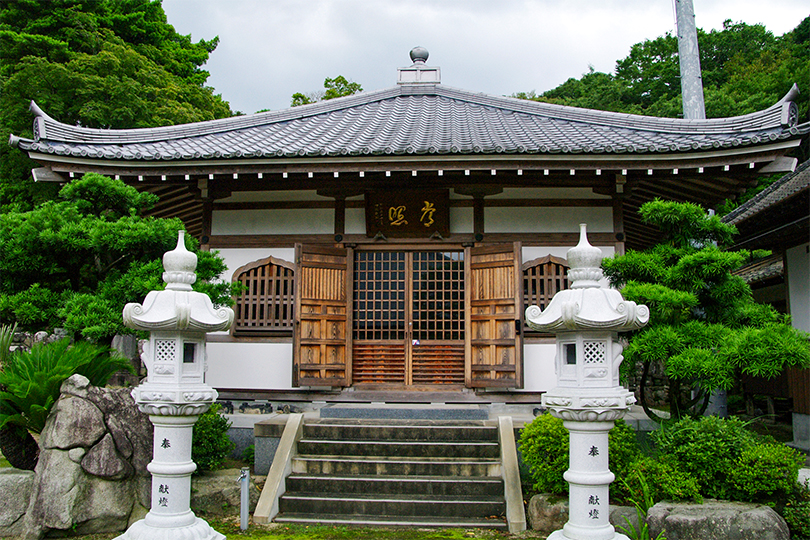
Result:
{"points": [[588, 397], [174, 394]]}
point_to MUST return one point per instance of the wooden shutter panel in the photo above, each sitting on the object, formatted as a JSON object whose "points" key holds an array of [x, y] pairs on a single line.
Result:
{"points": [[494, 316], [321, 341]]}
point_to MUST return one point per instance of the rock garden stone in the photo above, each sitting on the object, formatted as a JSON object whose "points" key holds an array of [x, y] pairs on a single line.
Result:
{"points": [[716, 520], [219, 493], [16, 486], [548, 513], [91, 476]]}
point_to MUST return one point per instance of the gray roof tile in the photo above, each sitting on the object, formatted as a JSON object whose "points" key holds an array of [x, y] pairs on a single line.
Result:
{"points": [[784, 188], [430, 119]]}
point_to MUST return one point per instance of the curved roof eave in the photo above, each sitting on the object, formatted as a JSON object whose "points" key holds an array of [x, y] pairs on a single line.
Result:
{"points": [[417, 120], [51, 129]]}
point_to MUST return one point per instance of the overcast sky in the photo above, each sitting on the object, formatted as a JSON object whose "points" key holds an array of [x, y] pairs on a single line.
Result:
{"points": [[270, 49]]}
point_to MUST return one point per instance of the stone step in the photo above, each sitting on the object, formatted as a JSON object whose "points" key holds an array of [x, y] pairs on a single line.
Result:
{"points": [[406, 412], [394, 466], [402, 505], [401, 430], [494, 522], [412, 485], [399, 448]]}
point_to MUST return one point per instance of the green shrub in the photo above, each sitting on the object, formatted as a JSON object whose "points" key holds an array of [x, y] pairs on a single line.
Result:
{"points": [[623, 448], [797, 517], [210, 443], [642, 501], [31, 380], [668, 482], [544, 446], [706, 449], [767, 470], [249, 454]]}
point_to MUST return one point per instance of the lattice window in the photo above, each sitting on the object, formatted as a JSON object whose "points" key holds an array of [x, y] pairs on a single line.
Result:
{"points": [[379, 295], [438, 295], [593, 352], [542, 279], [266, 304], [165, 350]]}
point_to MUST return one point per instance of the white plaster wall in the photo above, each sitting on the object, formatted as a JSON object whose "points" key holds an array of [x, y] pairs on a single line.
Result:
{"points": [[266, 366], [798, 272], [355, 221], [461, 220], [547, 220], [538, 367], [286, 221]]}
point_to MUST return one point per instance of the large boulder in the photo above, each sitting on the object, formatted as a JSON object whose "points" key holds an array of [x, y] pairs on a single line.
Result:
{"points": [[219, 492], [16, 486], [91, 476], [548, 513], [716, 520]]}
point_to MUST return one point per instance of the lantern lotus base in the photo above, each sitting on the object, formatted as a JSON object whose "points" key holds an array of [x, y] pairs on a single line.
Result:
{"points": [[198, 529], [587, 535]]}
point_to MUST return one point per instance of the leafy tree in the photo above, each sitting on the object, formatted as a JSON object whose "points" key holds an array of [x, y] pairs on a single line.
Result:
{"points": [[745, 68], [704, 324], [334, 88], [98, 63], [75, 262]]}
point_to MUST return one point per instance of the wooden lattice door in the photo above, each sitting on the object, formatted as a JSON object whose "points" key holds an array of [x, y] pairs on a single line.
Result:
{"points": [[494, 316], [408, 318], [321, 349]]}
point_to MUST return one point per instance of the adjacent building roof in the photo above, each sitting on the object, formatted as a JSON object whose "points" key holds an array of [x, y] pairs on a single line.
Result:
{"points": [[422, 120], [786, 187], [779, 216]]}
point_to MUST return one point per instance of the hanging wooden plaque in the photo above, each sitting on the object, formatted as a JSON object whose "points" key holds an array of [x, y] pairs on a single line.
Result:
{"points": [[408, 213]]}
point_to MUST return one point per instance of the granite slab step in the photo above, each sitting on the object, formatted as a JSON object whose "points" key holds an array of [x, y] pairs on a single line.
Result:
{"points": [[494, 522], [405, 413], [402, 485], [394, 430], [406, 506], [399, 448], [394, 466]]}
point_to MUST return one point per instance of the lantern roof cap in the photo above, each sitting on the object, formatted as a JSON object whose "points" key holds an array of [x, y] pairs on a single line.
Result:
{"points": [[178, 307], [587, 305]]}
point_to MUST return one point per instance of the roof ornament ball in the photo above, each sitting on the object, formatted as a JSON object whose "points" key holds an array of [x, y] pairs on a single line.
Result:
{"points": [[419, 55], [419, 72]]}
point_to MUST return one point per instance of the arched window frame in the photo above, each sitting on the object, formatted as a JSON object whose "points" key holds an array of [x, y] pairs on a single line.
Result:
{"points": [[266, 305], [542, 279]]}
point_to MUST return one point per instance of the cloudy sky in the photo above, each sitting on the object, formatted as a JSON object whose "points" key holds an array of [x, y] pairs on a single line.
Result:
{"points": [[270, 49]]}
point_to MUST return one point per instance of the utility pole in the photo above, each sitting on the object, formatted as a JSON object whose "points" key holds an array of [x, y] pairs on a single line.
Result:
{"points": [[689, 57]]}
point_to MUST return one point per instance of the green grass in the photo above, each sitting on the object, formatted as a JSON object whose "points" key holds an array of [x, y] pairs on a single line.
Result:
{"points": [[230, 528]]}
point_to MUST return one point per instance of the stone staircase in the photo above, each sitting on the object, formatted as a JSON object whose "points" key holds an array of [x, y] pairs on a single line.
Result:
{"points": [[420, 473]]}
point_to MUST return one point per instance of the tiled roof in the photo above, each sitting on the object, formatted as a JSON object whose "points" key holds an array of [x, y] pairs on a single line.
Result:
{"points": [[761, 270], [424, 119], [784, 188]]}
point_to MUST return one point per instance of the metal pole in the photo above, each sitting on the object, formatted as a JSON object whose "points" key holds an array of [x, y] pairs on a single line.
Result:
{"points": [[244, 510], [689, 58]]}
